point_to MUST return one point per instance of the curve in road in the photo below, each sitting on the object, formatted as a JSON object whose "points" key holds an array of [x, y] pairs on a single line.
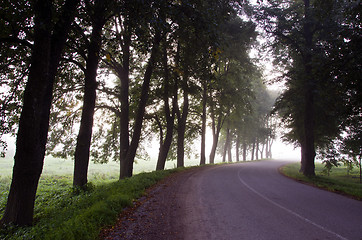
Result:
{"points": [[248, 200], [253, 201]]}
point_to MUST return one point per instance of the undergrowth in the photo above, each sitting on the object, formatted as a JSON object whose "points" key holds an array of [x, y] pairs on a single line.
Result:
{"points": [[340, 180], [62, 212]]}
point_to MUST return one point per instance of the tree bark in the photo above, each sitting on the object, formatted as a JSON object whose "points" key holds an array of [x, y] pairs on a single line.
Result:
{"points": [[270, 155], [181, 126], [169, 115], [360, 170], [244, 150], [124, 99], [203, 126], [225, 151], [237, 147], [267, 147], [261, 150], [216, 127], [34, 119], [230, 159], [227, 147], [256, 148], [308, 152], [82, 149], [253, 151]]}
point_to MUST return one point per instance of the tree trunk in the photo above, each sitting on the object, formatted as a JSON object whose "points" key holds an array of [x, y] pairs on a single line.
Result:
{"points": [[302, 162], [181, 127], [227, 146], [267, 147], [203, 126], [270, 148], [169, 115], [225, 151], [215, 140], [244, 150], [230, 159], [261, 150], [257, 149], [82, 149], [162, 153], [124, 99], [34, 119], [137, 129], [253, 151], [360, 170], [216, 127], [237, 146], [308, 152], [162, 156]]}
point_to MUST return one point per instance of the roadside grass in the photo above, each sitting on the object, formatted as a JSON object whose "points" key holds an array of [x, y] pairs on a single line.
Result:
{"points": [[62, 212], [339, 180]]}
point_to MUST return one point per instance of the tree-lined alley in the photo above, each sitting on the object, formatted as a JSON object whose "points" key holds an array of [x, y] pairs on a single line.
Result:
{"points": [[95, 79]]}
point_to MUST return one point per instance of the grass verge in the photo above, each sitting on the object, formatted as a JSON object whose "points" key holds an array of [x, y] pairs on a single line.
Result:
{"points": [[62, 213], [338, 181]]}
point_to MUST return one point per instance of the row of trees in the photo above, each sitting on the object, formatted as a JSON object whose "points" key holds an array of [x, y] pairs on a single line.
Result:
{"points": [[109, 74], [252, 132], [319, 45], [171, 67]]}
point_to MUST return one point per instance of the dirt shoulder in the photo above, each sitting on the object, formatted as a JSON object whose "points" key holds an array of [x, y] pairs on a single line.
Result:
{"points": [[157, 215]]}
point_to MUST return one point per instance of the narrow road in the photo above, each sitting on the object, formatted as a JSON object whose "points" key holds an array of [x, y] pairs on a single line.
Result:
{"points": [[249, 201]]}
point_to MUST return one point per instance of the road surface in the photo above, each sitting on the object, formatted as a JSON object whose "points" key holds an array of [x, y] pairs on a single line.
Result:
{"points": [[244, 201]]}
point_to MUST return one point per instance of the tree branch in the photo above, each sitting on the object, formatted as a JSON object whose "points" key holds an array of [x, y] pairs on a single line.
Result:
{"points": [[16, 40]]}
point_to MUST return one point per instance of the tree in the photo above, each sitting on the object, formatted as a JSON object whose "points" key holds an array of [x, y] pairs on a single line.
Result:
{"points": [[229, 90], [49, 40], [132, 42], [305, 34], [248, 123], [169, 114], [99, 12]]}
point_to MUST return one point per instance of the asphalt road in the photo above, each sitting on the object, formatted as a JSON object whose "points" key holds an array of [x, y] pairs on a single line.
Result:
{"points": [[253, 201]]}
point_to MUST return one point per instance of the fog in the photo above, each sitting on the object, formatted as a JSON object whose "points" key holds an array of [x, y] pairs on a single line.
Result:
{"points": [[285, 151], [280, 151]]}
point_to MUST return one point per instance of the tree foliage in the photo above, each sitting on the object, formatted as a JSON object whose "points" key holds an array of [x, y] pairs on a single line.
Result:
{"points": [[314, 41], [145, 68]]}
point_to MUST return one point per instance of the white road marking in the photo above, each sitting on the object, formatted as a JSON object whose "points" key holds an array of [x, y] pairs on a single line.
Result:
{"points": [[288, 210]]}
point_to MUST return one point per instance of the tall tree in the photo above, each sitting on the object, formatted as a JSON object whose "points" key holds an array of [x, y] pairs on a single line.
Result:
{"points": [[49, 40], [98, 12], [168, 112], [305, 34], [307, 143], [131, 153], [132, 42]]}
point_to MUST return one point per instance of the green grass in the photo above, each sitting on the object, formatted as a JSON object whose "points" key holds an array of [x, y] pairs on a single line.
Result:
{"points": [[62, 213], [338, 181]]}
